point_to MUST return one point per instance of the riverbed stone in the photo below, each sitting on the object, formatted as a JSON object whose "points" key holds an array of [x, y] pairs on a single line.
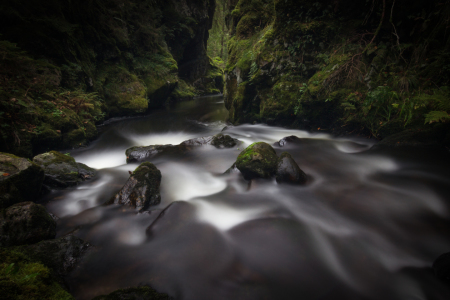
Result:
{"points": [[26, 223], [137, 293], [139, 154], [142, 188], [292, 139], [20, 180], [288, 171], [61, 254], [218, 141], [259, 160], [62, 171]]}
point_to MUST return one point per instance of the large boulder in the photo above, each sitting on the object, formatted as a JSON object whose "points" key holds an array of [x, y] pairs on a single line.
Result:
{"points": [[26, 223], [259, 160], [142, 292], [288, 171], [142, 188], [20, 180], [62, 171], [61, 255]]}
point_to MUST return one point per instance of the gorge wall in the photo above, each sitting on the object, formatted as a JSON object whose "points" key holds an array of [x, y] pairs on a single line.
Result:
{"points": [[369, 67], [65, 66]]}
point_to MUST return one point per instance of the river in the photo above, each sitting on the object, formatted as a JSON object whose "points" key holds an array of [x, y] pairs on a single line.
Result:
{"points": [[368, 225]]}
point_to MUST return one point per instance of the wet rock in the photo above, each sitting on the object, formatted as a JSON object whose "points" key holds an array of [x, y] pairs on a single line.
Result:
{"points": [[175, 216], [26, 223], [218, 141], [233, 169], [138, 154], [199, 141], [62, 171], [223, 141], [259, 160], [61, 255], [142, 188], [138, 293], [288, 140], [441, 267], [20, 180], [288, 171]]}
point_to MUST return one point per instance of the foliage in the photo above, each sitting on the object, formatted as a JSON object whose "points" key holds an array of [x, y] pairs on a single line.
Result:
{"points": [[22, 278]]}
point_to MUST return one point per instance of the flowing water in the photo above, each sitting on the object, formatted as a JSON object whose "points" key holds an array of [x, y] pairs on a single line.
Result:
{"points": [[368, 225]]}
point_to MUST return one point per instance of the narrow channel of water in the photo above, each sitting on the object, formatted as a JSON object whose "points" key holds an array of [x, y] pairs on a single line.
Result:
{"points": [[368, 226]]}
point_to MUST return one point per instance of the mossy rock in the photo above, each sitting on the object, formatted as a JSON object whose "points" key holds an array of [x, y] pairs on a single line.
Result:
{"points": [[61, 254], [259, 160], [74, 138], [135, 293], [142, 188], [139, 154], [25, 223], [22, 278], [20, 180], [62, 170]]}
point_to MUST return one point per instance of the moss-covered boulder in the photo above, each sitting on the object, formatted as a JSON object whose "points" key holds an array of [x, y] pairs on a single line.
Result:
{"points": [[26, 223], [288, 171], [22, 278], [61, 170], [142, 292], [61, 255], [259, 160], [142, 188], [20, 180]]}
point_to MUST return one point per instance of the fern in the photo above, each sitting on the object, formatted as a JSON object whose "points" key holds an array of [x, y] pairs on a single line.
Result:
{"points": [[436, 116]]}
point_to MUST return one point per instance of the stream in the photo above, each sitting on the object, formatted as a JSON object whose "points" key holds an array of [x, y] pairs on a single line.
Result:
{"points": [[368, 225]]}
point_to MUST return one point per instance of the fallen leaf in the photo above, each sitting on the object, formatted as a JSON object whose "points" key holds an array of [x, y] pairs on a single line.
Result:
{"points": [[5, 174]]}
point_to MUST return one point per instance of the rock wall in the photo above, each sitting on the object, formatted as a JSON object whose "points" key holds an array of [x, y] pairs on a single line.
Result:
{"points": [[368, 67], [65, 66]]}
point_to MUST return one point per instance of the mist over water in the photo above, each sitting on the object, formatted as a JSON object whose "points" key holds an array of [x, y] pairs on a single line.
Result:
{"points": [[367, 226]]}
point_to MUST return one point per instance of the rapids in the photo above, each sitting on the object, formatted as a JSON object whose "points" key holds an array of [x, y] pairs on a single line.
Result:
{"points": [[367, 226]]}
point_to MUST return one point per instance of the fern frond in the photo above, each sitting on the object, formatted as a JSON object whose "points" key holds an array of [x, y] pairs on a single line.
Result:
{"points": [[436, 116]]}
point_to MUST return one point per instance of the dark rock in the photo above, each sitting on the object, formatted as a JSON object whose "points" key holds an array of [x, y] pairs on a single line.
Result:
{"points": [[60, 254], [135, 293], [441, 267], [62, 171], [288, 171], [223, 141], [257, 160], [20, 180], [142, 188], [138, 154], [288, 140], [198, 141], [26, 223], [218, 141], [175, 216]]}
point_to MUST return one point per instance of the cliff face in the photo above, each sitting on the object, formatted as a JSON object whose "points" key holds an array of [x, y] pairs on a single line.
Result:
{"points": [[66, 65], [365, 66]]}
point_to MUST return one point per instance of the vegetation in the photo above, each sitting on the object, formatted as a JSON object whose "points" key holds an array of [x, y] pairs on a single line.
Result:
{"points": [[369, 67]]}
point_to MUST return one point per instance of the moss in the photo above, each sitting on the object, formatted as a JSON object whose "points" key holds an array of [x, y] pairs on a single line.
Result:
{"points": [[75, 138], [22, 278], [257, 160]]}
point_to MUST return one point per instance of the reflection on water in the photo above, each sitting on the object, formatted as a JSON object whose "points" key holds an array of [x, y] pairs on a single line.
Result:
{"points": [[367, 226]]}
